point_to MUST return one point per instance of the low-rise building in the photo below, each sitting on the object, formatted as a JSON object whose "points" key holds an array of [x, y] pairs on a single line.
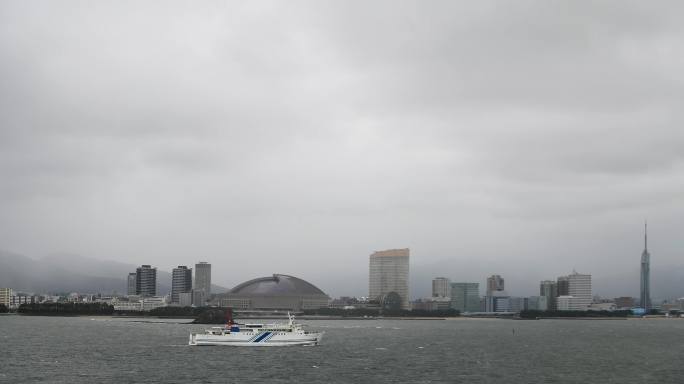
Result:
{"points": [[498, 301], [138, 304], [17, 300], [571, 303], [127, 306], [625, 302], [432, 304], [150, 303], [602, 307], [185, 299]]}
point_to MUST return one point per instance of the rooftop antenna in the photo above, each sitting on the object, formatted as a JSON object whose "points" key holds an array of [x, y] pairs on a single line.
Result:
{"points": [[645, 234]]}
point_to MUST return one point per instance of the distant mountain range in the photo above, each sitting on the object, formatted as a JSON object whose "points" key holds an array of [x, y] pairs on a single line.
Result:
{"points": [[72, 273]]}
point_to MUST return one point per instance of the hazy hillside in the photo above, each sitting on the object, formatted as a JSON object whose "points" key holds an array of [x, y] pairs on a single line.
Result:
{"points": [[69, 273]]}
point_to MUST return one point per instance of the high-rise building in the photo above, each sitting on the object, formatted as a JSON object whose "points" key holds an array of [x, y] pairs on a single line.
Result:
{"points": [[146, 281], [577, 295], [465, 297], [181, 282], [580, 288], [645, 289], [494, 283], [203, 279], [388, 276], [563, 286], [131, 284], [440, 287], [549, 290], [6, 296]]}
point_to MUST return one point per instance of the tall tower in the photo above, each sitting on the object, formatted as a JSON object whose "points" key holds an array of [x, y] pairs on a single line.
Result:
{"points": [[146, 281], [203, 278], [181, 282], [131, 283], [388, 276], [549, 289], [645, 292]]}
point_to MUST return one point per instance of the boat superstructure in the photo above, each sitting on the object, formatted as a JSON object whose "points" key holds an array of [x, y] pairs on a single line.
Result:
{"points": [[253, 335]]}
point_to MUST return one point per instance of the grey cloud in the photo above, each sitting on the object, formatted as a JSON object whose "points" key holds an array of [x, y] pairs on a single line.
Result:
{"points": [[312, 133]]}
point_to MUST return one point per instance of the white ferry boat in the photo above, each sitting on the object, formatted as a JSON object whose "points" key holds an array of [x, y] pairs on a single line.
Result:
{"points": [[252, 335]]}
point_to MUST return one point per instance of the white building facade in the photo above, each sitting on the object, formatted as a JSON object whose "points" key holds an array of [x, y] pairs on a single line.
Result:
{"points": [[441, 287], [389, 272]]}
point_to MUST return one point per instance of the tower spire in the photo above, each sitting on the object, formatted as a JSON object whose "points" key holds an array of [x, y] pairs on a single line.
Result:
{"points": [[645, 235]]}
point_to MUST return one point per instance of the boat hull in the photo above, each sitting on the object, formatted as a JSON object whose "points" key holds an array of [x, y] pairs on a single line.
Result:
{"points": [[234, 340]]}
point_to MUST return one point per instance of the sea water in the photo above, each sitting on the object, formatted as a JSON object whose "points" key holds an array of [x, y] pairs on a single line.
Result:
{"points": [[124, 350]]}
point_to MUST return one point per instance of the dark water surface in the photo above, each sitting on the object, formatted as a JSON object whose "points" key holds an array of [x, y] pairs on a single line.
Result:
{"points": [[114, 350]]}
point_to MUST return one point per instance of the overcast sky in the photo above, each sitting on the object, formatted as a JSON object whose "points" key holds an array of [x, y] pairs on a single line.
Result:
{"points": [[518, 138]]}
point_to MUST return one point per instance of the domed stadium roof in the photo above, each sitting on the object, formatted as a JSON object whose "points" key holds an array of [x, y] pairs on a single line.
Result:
{"points": [[276, 285]]}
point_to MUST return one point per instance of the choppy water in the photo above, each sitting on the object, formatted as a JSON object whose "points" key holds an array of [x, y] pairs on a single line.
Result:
{"points": [[113, 350]]}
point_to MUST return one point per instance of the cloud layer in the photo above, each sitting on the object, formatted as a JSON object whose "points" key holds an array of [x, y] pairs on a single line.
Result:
{"points": [[526, 138]]}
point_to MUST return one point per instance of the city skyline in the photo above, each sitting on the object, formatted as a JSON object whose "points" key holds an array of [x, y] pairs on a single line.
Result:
{"points": [[526, 288]]}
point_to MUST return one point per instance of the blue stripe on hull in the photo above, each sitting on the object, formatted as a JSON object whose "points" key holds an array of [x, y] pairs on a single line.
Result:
{"points": [[263, 336]]}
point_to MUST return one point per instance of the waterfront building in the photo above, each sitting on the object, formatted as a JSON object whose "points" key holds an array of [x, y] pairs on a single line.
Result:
{"points": [[199, 298], [578, 297], [564, 303], [563, 286], [625, 302], [185, 299], [538, 303], [203, 278], [548, 289], [130, 289], [571, 303], [494, 283], [498, 301], [150, 303], [602, 307], [138, 303], [517, 304], [275, 293], [17, 300], [6, 296], [181, 282], [579, 286], [501, 304], [440, 287], [130, 304], [388, 277], [432, 304], [146, 281], [465, 297], [645, 286]]}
